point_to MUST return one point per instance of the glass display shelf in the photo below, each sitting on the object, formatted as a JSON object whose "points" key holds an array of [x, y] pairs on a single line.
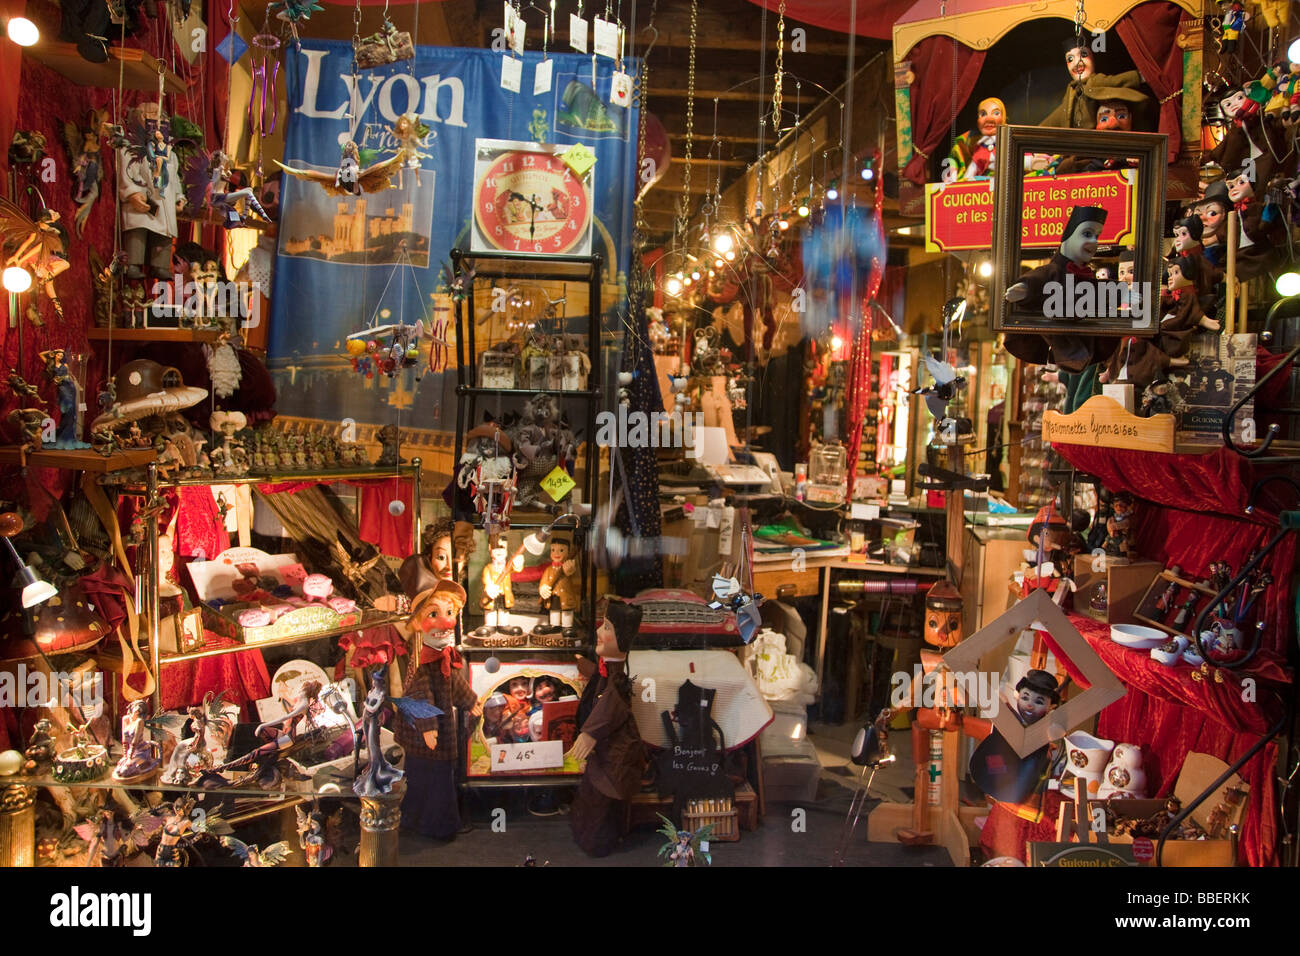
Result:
{"points": [[369, 619]]}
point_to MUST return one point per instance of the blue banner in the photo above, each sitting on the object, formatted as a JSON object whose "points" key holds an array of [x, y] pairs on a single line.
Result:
{"points": [[340, 258]]}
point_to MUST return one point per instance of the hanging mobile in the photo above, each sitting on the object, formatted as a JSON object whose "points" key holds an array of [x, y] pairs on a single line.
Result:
{"points": [[263, 97]]}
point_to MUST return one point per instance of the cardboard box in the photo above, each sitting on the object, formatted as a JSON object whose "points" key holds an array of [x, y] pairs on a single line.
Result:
{"points": [[1125, 586]]}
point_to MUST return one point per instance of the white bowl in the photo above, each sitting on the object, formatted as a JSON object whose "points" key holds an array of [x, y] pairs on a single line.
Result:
{"points": [[1137, 637]]}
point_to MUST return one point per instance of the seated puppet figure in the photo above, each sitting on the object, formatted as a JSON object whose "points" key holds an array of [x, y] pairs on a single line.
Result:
{"points": [[973, 153], [1079, 242], [1180, 307], [607, 736], [1088, 89]]}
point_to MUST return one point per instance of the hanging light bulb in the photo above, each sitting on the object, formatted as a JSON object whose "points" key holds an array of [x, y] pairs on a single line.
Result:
{"points": [[803, 210], [837, 343], [673, 286], [868, 173], [17, 279], [986, 269], [729, 255], [718, 263], [723, 242], [832, 193], [782, 224], [696, 275], [1288, 283], [22, 31], [687, 281]]}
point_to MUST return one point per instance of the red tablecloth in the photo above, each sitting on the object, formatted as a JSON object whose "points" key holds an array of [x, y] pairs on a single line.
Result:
{"points": [[241, 675]]}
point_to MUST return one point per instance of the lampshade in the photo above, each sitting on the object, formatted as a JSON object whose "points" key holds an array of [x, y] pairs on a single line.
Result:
{"points": [[711, 445], [535, 543], [35, 589]]}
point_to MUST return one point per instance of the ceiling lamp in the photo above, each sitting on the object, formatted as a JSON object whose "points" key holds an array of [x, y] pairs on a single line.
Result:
{"points": [[803, 210]]}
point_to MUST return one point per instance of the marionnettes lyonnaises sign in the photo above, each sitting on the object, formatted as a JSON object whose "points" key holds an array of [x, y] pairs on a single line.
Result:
{"points": [[960, 215]]}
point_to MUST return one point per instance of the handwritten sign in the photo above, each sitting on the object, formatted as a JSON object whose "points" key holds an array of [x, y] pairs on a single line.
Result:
{"points": [[538, 755], [693, 772], [960, 215], [1102, 422]]}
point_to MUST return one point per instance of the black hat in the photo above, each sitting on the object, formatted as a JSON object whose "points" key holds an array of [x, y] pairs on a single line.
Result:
{"points": [[1079, 215], [626, 620], [1076, 41], [1127, 256], [1040, 682], [1193, 225], [1217, 192]]}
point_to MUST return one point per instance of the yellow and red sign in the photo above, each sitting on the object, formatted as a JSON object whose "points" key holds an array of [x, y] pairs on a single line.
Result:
{"points": [[960, 215]]}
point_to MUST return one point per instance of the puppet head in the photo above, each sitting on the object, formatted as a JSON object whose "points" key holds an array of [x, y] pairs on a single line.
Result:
{"points": [[619, 628], [436, 609], [1115, 115], [437, 547], [520, 688], [560, 550], [1105, 273], [1036, 694], [943, 608], [1078, 58], [1213, 210], [1187, 234], [1240, 186], [1049, 522], [992, 114], [1183, 272], [1082, 232]]}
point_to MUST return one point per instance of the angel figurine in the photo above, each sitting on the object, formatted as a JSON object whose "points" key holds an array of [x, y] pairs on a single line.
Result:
{"points": [[409, 131], [273, 855], [352, 178], [83, 145], [106, 843], [683, 847], [380, 775], [208, 185], [311, 836]]}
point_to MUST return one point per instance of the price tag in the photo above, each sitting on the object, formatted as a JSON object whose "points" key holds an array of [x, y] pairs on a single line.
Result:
{"points": [[1143, 849], [557, 484], [579, 159], [605, 38], [861, 511], [620, 89], [538, 755], [577, 33], [542, 78], [512, 73]]}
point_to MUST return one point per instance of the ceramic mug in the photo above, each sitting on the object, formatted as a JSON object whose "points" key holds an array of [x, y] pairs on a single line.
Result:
{"points": [[1086, 758], [1171, 651]]}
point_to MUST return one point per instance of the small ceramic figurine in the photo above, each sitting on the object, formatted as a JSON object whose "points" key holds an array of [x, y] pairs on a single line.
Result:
{"points": [[390, 440], [680, 846], [1118, 542], [973, 153], [608, 739], [1079, 240], [69, 391], [140, 755], [1124, 776], [311, 836], [40, 746], [381, 776], [498, 593], [1087, 88], [558, 588]]}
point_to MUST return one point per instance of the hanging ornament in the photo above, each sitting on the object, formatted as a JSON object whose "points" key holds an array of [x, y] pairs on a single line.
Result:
{"points": [[294, 12], [387, 45]]}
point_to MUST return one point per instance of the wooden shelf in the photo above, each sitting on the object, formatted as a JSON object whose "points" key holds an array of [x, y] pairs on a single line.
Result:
{"points": [[77, 459], [137, 69], [99, 334]]}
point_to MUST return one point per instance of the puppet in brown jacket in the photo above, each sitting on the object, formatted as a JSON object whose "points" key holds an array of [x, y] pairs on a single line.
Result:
{"points": [[558, 588], [498, 590], [607, 735]]}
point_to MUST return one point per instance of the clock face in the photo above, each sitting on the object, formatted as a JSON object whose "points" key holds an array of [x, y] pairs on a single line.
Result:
{"points": [[530, 202]]}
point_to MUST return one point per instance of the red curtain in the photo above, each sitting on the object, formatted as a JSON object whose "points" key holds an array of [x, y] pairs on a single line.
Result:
{"points": [[1150, 33], [934, 101]]}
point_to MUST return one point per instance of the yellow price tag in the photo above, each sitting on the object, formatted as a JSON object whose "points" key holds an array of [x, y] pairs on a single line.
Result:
{"points": [[558, 483], [578, 158]]}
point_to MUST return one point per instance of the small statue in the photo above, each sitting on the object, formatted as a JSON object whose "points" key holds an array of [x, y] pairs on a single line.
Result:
{"points": [[390, 440], [380, 775], [498, 596], [69, 392], [681, 847], [558, 588], [140, 755], [105, 843], [311, 836], [252, 856], [40, 747], [1118, 541]]}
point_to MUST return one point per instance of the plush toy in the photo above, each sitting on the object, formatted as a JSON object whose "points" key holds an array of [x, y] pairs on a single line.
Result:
{"points": [[973, 155], [1078, 245], [608, 739], [1088, 89], [437, 676]]}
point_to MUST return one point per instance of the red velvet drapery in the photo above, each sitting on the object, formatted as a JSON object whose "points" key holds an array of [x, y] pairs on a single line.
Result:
{"points": [[935, 103], [1150, 32]]}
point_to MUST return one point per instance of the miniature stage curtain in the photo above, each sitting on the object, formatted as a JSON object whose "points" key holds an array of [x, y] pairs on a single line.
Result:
{"points": [[1150, 35], [934, 100]]}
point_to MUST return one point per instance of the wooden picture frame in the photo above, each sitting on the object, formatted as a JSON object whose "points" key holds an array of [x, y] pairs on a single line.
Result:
{"points": [[1028, 208], [1039, 610]]}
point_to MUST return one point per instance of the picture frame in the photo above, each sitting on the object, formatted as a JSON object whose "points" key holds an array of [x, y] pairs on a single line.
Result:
{"points": [[1031, 211], [497, 755]]}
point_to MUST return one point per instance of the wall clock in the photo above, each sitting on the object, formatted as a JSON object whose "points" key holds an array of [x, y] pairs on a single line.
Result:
{"points": [[528, 201]]}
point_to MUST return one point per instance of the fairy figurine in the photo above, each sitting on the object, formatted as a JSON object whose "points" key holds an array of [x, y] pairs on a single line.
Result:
{"points": [[408, 131], [685, 847], [380, 775]]}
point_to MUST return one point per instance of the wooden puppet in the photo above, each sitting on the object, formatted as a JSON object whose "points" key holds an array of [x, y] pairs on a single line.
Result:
{"points": [[1088, 88]]}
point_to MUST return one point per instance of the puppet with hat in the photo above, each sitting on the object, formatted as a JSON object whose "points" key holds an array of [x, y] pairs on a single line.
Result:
{"points": [[437, 675], [1079, 240], [607, 735], [1088, 88], [1046, 558], [498, 596], [973, 153]]}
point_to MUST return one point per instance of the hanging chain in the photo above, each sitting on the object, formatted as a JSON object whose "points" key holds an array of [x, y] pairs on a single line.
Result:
{"points": [[684, 203], [1079, 17], [780, 71]]}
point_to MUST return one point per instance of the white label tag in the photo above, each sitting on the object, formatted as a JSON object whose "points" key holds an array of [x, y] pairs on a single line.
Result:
{"points": [[511, 758], [605, 38], [542, 78], [577, 33], [865, 512], [620, 89], [512, 73]]}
